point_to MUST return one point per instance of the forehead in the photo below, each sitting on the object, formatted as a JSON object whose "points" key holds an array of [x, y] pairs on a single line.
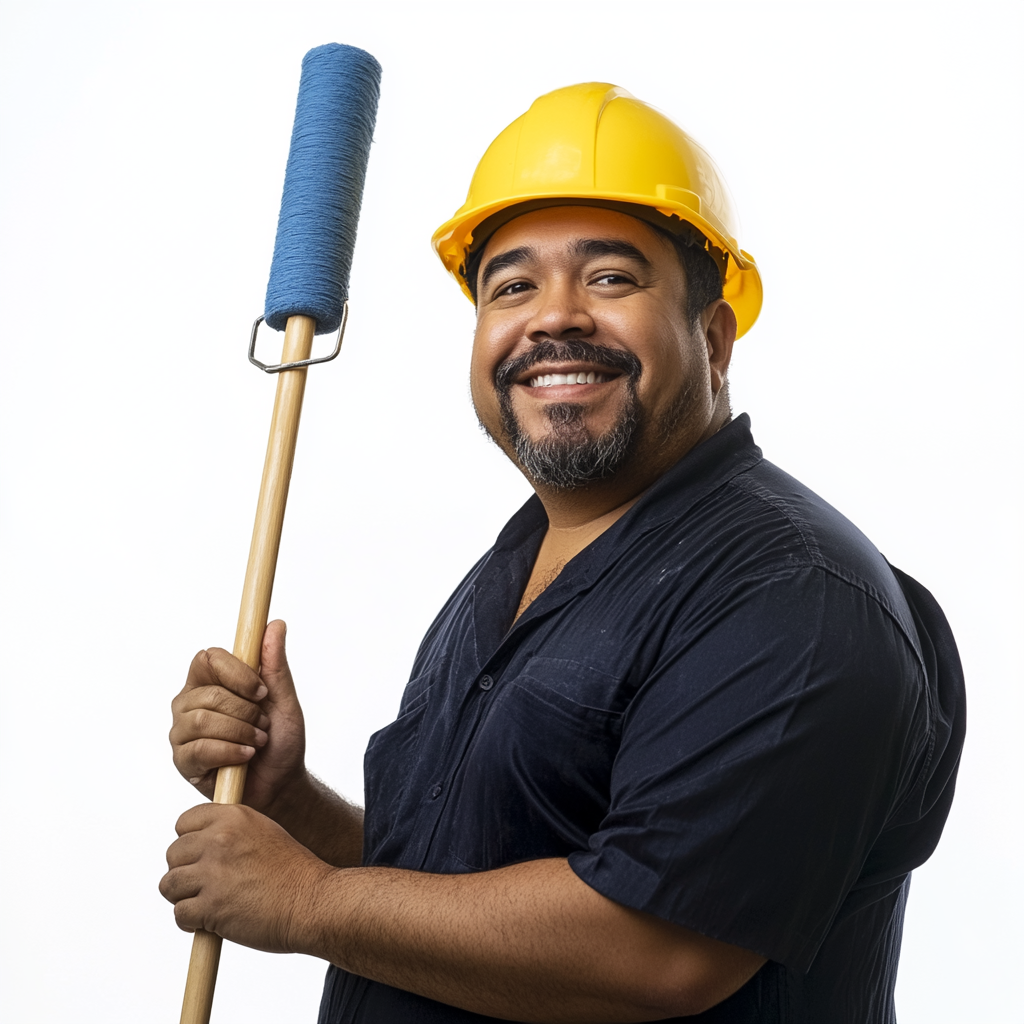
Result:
{"points": [[557, 226]]}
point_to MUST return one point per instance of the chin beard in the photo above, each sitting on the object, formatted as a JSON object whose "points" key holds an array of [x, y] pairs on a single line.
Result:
{"points": [[569, 458]]}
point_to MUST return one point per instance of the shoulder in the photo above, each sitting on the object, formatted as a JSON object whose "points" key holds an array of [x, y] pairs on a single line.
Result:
{"points": [[763, 524]]}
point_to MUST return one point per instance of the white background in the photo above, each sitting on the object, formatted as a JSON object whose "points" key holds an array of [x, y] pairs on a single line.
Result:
{"points": [[874, 151]]}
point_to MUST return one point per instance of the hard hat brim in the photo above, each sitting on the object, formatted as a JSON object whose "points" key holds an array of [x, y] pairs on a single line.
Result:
{"points": [[454, 240]]}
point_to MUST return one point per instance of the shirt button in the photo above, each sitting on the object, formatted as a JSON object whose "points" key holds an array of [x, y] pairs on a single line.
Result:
{"points": [[435, 792], [486, 682]]}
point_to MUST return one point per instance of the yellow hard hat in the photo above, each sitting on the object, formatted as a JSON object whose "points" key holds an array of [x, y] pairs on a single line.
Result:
{"points": [[596, 144]]}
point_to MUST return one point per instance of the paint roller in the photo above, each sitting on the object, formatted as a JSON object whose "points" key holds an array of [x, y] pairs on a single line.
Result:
{"points": [[307, 295]]}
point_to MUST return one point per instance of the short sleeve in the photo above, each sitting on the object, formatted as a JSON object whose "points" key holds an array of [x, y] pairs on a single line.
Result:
{"points": [[759, 761]]}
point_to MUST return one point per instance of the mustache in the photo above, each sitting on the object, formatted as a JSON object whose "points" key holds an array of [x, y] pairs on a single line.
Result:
{"points": [[574, 350]]}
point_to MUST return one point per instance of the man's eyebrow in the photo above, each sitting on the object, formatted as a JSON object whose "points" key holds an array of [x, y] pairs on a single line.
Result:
{"points": [[592, 248], [588, 248], [512, 258]]}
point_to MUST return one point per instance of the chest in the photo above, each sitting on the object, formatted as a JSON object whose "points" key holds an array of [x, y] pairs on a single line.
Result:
{"points": [[504, 746]]}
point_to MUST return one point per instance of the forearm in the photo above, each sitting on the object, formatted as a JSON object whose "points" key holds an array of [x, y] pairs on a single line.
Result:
{"points": [[530, 942], [321, 820]]}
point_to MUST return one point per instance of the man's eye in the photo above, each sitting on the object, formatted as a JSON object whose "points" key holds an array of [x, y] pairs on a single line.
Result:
{"points": [[514, 288], [612, 279]]}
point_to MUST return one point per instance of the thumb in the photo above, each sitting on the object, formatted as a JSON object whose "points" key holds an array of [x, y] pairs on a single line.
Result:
{"points": [[274, 668]]}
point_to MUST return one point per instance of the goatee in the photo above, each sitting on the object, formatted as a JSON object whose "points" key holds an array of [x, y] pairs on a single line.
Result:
{"points": [[569, 457]]}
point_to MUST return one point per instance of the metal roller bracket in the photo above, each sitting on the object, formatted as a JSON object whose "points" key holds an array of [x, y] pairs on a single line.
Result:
{"points": [[302, 362]]}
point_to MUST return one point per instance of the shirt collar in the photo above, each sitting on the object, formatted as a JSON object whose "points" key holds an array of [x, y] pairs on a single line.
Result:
{"points": [[700, 471], [705, 468]]}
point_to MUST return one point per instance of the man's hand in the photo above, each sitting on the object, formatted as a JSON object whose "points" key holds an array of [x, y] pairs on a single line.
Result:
{"points": [[227, 714], [235, 872]]}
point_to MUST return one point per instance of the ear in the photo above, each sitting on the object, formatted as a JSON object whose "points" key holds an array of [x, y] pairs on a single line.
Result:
{"points": [[719, 322]]}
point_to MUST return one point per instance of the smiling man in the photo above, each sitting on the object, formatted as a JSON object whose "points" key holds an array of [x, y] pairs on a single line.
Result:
{"points": [[676, 742]]}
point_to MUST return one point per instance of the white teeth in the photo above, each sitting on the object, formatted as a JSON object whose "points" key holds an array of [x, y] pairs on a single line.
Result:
{"points": [[549, 380]]}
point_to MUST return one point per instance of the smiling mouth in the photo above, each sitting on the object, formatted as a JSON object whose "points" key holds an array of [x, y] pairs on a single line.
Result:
{"points": [[564, 365], [551, 380]]}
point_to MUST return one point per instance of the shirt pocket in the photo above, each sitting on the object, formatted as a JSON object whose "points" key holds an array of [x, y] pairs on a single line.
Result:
{"points": [[389, 763], [536, 776]]}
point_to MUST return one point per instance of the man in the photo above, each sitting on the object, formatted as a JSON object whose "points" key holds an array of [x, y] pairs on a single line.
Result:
{"points": [[674, 745]]}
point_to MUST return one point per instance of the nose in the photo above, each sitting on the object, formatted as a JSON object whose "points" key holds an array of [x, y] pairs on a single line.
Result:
{"points": [[561, 314]]}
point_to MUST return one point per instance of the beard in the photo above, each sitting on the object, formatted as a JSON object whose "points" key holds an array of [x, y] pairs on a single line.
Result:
{"points": [[570, 457]]}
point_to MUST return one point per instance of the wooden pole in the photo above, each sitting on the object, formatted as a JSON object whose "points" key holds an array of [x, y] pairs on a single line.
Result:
{"points": [[252, 615]]}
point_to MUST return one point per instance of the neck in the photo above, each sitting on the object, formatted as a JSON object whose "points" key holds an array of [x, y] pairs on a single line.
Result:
{"points": [[601, 502], [578, 517]]}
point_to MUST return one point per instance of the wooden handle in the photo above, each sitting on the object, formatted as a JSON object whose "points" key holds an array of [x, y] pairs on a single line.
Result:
{"points": [[252, 615]]}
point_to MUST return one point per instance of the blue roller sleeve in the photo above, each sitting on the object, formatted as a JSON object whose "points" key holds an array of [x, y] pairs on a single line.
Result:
{"points": [[323, 186]]}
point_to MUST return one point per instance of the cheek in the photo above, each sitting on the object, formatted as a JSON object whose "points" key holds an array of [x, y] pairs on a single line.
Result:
{"points": [[481, 366], [671, 362], [493, 343], [483, 363], [482, 396]]}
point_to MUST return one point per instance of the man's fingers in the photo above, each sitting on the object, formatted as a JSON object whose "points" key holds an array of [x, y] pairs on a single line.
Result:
{"points": [[182, 887], [186, 915], [182, 883], [203, 740], [197, 759], [179, 883], [235, 675], [184, 850], [274, 663], [201, 816], [226, 714], [216, 698], [212, 725], [188, 911], [216, 667]]}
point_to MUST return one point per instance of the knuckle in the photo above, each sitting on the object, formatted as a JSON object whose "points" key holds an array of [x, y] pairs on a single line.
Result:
{"points": [[226, 702], [204, 754], [210, 754], [223, 664], [218, 698], [198, 668], [236, 707], [178, 734], [251, 713], [188, 759]]}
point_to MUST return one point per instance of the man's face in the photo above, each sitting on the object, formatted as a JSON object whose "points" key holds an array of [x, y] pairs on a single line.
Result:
{"points": [[584, 363]]}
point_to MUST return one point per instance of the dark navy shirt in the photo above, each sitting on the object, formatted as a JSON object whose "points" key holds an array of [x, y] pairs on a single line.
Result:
{"points": [[728, 711]]}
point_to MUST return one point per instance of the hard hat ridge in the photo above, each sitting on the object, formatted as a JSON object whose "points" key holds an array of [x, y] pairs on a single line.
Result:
{"points": [[596, 144]]}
